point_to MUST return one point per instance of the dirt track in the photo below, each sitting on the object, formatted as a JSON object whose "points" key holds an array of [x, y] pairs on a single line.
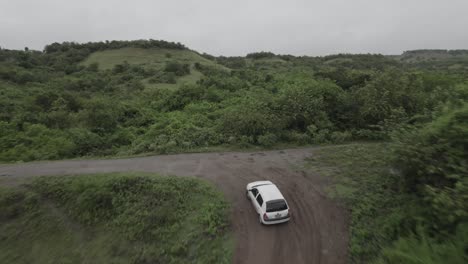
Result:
{"points": [[317, 232]]}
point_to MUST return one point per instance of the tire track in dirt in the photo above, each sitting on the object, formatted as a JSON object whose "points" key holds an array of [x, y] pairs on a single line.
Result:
{"points": [[317, 232]]}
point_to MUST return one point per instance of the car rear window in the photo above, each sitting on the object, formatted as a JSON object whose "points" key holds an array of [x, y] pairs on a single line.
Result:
{"points": [[276, 205]]}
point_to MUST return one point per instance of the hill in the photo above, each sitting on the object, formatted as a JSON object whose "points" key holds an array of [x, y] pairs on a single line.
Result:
{"points": [[453, 60], [131, 97], [153, 59]]}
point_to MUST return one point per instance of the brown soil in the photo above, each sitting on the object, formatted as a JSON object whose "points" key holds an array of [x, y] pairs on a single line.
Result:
{"points": [[318, 230]]}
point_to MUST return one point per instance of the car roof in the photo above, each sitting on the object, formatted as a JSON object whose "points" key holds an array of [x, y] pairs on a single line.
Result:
{"points": [[270, 192]]}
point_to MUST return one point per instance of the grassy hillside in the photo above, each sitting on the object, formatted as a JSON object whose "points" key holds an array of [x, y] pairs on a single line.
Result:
{"points": [[114, 218], [451, 60], [124, 98], [153, 59]]}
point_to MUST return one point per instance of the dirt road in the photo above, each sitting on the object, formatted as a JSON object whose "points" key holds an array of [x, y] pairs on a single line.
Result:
{"points": [[316, 234]]}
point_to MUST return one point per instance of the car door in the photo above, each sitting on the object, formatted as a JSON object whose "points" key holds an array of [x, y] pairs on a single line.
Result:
{"points": [[253, 198], [258, 203]]}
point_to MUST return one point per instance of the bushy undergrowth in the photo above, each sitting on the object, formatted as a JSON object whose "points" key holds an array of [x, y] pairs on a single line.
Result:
{"points": [[52, 99], [364, 183], [131, 218], [408, 198]]}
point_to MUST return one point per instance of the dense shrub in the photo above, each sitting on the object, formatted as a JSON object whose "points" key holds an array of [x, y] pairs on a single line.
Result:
{"points": [[267, 140], [124, 218], [260, 99], [179, 69], [433, 160], [164, 77], [35, 142]]}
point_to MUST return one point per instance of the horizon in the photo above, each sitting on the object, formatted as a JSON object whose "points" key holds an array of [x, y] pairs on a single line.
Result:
{"points": [[223, 28], [243, 55]]}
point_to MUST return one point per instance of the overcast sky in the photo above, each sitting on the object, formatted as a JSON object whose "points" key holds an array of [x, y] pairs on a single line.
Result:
{"points": [[237, 27]]}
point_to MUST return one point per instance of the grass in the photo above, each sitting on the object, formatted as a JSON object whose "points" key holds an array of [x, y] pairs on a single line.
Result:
{"points": [[114, 218], [363, 182], [155, 58], [152, 58], [191, 78]]}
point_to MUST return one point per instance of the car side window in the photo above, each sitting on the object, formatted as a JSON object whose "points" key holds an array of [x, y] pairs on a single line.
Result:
{"points": [[260, 200], [254, 192]]}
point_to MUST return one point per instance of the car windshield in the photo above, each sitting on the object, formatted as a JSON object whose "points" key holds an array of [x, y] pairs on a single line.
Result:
{"points": [[276, 205]]}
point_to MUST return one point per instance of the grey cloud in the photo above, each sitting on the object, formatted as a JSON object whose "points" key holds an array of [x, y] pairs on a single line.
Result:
{"points": [[222, 27]]}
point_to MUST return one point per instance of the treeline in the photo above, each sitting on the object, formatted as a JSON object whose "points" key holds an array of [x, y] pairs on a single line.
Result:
{"points": [[64, 57], [114, 44], [434, 52]]}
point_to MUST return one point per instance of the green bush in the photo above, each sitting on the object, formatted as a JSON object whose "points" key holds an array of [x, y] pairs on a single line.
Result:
{"points": [[163, 77], [433, 161], [115, 218], [34, 143], [322, 136], [297, 137], [419, 248], [340, 137], [179, 69], [85, 141], [267, 140]]}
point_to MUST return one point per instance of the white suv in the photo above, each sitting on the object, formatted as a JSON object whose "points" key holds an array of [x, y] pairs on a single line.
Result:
{"points": [[268, 201]]}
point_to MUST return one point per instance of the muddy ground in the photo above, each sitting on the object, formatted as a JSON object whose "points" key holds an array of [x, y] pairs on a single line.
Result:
{"points": [[318, 230]]}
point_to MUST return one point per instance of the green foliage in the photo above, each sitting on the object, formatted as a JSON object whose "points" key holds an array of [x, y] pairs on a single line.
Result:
{"points": [[418, 188], [164, 77], [421, 249], [120, 97], [115, 218], [34, 142], [178, 130], [433, 161], [310, 103], [100, 115], [127, 97], [178, 69], [363, 182], [267, 140], [260, 55], [250, 115], [394, 91]]}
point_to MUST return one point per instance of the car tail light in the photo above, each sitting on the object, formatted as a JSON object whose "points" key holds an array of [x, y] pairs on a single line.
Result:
{"points": [[265, 216]]}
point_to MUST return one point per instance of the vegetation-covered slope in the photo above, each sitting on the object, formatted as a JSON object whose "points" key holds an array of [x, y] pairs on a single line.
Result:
{"points": [[114, 218], [153, 60], [131, 97], [451, 60], [120, 98], [153, 57], [408, 198]]}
